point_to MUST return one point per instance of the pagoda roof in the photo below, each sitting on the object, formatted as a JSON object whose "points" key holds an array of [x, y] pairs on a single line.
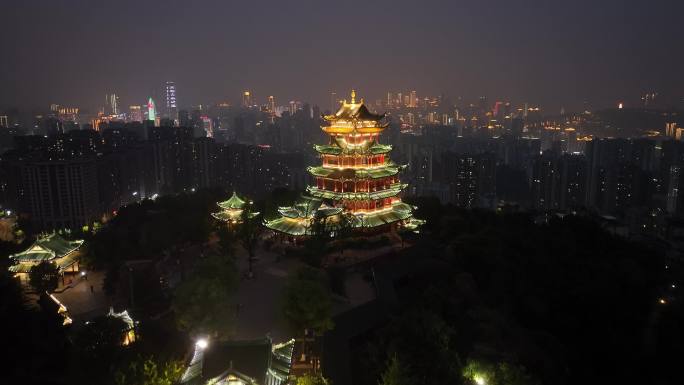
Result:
{"points": [[399, 212], [394, 190], [291, 226], [297, 227], [308, 208], [234, 202], [328, 149], [354, 111], [47, 248], [331, 149], [354, 173], [378, 148]]}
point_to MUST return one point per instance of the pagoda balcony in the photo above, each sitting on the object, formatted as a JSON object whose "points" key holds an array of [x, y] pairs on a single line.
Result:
{"points": [[390, 192]]}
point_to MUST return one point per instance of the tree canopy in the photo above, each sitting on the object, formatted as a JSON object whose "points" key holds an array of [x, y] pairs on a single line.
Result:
{"points": [[44, 277], [307, 301], [203, 303]]}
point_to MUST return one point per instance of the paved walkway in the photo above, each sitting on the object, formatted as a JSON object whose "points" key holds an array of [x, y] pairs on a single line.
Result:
{"points": [[82, 303], [260, 297]]}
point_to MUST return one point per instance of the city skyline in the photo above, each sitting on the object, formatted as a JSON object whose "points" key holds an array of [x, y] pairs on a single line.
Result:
{"points": [[553, 55]]}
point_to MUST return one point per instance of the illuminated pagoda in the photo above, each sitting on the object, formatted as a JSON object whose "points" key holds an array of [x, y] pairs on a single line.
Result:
{"points": [[356, 177], [231, 209]]}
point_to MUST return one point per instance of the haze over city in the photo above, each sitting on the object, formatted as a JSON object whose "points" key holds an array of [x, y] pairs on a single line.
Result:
{"points": [[549, 53]]}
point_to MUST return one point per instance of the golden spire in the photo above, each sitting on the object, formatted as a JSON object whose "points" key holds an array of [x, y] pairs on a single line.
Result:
{"points": [[353, 96]]}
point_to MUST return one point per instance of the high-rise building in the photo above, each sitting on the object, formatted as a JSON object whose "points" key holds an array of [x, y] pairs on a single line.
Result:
{"points": [[171, 106], [671, 129], [4, 122], [135, 114], [112, 102], [60, 194], [413, 100], [271, 105], [246, 99], [295, 106], [357, 185], [151, 110]]}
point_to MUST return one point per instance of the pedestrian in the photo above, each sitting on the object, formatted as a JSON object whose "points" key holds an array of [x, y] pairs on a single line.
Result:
{"points": [[92, 289]]}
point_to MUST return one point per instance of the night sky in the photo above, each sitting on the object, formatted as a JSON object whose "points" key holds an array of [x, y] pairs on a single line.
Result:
{"points": [[547, 52]]}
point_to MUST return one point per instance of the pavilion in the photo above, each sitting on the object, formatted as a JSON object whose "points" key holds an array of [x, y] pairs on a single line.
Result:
{"points": [[253, 362], [231, 209], [52, 248]]}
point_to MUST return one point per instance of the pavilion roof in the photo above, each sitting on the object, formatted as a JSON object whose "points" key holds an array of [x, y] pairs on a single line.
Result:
{"points": [[234, 202], [248, 362], [47, 248]]}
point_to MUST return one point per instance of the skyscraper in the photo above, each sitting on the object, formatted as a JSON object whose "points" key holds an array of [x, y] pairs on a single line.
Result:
{"points": [[135, 114], [246, 99], [171, 107], [151, 110], [413, 99], [271, 105], [112, 101]]}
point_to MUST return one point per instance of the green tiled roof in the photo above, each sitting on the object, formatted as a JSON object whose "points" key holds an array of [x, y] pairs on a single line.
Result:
{"points": [[351, 173], [328, 149], [288, 226], [230, 216], [47, 248], [298, 227], [378, 148], [234, 202], [399, 212], [307, 207], [381, 194]]}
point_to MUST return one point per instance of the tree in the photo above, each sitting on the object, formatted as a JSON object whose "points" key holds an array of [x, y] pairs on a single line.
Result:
{"points": [[226, 239], [148, 371], [44, 277], [316, 245], [101, 335], [503, 373], [203, 302], [395, 373], [248, 232], [311, 379], [307, 302]]}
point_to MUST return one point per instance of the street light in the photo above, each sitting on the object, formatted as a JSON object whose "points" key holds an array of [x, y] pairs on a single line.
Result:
{"points": [[202, 343], [479, 380]]}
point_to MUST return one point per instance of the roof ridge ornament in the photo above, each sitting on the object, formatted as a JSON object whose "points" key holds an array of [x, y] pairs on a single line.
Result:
{"points": [[353, 96]]}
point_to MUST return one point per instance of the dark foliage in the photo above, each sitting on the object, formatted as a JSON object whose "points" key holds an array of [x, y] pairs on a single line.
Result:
{"points": [[561, 303]]}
